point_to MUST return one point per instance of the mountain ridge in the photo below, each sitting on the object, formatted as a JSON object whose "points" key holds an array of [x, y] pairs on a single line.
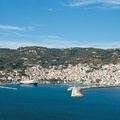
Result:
{"points": [[23, 57]]}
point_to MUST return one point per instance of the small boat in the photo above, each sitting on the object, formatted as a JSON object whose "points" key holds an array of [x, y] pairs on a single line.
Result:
{"points": [[28, 82], [58, 81], [65, 82], [70, 88]]}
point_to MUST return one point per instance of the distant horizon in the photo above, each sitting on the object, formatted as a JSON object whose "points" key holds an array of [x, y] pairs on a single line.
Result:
{"points": [[57, 48]]}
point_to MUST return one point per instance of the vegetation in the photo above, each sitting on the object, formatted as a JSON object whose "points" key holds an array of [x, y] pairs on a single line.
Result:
{"points": [[28, 56]]}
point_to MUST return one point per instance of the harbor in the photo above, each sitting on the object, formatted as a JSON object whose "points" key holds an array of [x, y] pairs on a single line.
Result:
{"points": [[52, 102]]}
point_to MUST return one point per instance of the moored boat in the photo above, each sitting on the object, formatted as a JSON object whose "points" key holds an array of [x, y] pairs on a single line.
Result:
{"points": [[70, 88], [28, 82]]}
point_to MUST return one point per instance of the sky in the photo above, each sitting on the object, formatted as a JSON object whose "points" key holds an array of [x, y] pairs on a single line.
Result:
{"points": [[60, 23]]}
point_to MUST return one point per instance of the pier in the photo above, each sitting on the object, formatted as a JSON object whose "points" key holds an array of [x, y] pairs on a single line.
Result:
{"points": [[77, 91], [8, 88]]}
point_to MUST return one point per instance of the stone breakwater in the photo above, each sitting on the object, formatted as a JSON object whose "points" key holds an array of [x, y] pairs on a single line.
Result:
{"points": [[8, 88], [81, 73], [77, 91]]}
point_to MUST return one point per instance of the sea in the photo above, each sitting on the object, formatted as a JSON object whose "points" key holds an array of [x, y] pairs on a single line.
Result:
{"points": [[54, 102]]}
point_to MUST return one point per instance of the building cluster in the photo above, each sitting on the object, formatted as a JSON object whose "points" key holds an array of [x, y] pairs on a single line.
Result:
{"points": [[82, 73], [10, 76]]}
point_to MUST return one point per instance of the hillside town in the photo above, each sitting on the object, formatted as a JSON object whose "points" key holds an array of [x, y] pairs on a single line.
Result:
{"points": [[80, 73]]}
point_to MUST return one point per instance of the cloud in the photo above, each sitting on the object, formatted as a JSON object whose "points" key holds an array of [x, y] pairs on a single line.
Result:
{"points": [[4, 33], [19, 34], [40, 25], [47, 43], [107, 45], [7, 27], [48, 9], [53, 37], [14, 31], [59, 44], [80, 3], [14, 45], [30, 28], [68, 44], [42, 36], [115, 7], [101, 45], [51, 9], [11, 27], [13, 34], [113, 4]]}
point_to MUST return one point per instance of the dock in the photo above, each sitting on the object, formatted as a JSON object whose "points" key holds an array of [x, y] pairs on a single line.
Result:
{"points": [[77, 91], [8, 88]]}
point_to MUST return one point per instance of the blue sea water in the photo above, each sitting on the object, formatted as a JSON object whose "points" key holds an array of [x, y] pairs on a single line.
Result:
{"points": [[53, 102]]}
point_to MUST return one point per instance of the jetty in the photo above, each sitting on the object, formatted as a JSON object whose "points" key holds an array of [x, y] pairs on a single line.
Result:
{"points": [[8, 88], [77, 91]]}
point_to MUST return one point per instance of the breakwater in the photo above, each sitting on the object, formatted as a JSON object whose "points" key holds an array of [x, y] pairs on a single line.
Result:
{"points": [[8, 88], [77, 91]]}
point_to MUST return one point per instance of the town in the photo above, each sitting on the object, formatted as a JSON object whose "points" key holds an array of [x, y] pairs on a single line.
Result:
{"points": [[81, 73]]}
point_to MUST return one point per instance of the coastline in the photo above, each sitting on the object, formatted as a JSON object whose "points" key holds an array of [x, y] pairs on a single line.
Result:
{"points": [[76, 90]]}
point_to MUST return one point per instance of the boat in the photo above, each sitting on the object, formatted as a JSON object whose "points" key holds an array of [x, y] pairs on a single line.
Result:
{"points": [[58, 81], [28, 82], [70, 88], [65, 82]]}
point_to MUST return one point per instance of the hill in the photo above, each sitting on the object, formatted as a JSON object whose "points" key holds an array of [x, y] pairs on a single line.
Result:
{"points": [[28, 56]]}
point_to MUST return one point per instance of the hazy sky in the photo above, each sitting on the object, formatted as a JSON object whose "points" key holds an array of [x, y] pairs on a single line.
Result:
{"points": [[60, 23]]}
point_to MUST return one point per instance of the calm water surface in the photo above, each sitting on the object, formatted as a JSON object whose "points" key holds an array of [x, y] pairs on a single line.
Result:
{"points": [[53, 102]]}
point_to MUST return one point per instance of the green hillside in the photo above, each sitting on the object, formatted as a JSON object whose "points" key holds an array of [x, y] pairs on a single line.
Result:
{"points": [[29, 56]]}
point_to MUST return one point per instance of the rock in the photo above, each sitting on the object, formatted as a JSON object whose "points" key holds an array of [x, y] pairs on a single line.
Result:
{"points": [[76, 92]]}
